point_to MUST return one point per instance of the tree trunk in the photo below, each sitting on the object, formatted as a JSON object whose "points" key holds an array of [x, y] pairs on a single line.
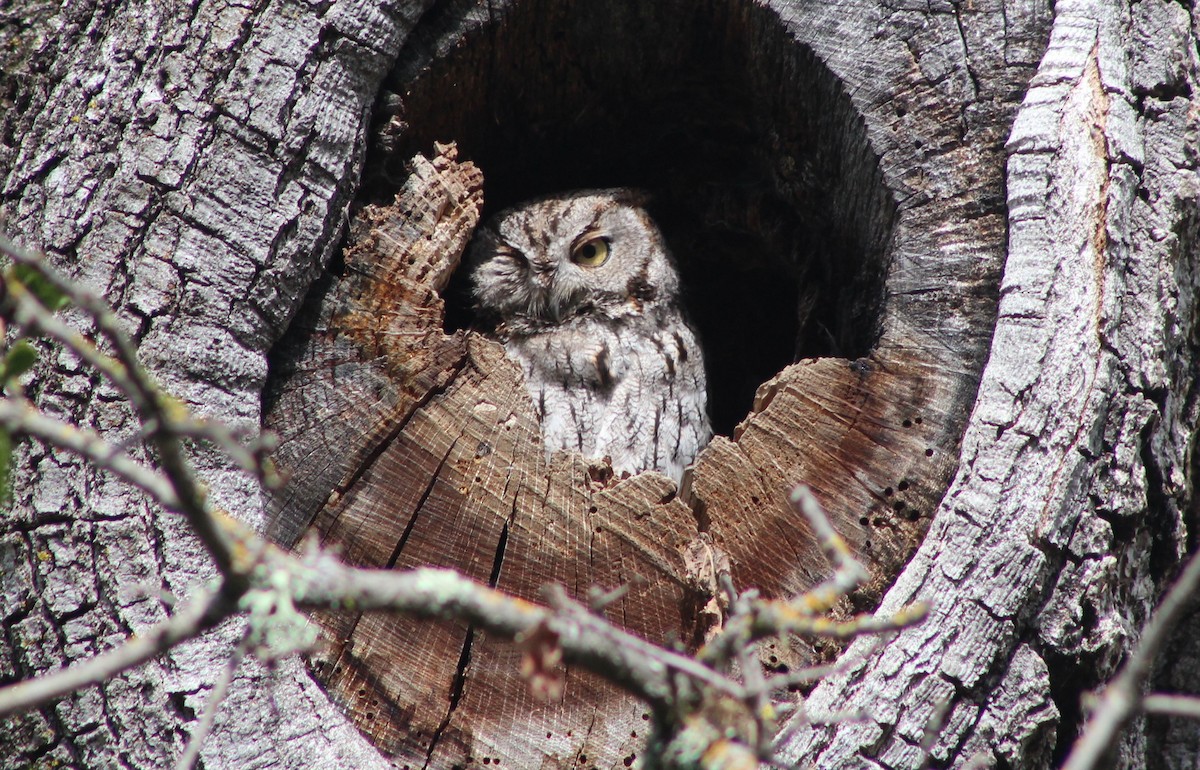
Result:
{"points": [[1074, 493], [832, 170], [193, 163]]}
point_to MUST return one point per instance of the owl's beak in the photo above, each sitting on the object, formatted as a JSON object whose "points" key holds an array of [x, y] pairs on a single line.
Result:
{"points": [[543, 274], [541, 279]]}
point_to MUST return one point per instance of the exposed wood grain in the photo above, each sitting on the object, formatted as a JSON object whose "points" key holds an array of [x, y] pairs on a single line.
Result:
{"points": [[438, 459], [193, 163], [869, 436], [887, 225], [869, 191], [853, 217], [369, 348]]}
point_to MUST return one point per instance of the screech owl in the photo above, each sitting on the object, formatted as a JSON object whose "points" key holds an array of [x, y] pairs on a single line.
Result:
{"points": [[584, 294]]}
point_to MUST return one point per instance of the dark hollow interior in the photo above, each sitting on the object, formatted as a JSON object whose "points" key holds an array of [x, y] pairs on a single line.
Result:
{"points": [[758, 167]]}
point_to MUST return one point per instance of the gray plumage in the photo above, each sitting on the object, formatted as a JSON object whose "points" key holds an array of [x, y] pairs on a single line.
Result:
{"points": [[582, 291]]}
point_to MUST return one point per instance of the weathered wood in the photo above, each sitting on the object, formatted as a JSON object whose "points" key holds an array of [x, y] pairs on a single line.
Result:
{"points": [[1068, 510], [193, 163], [908, 287], [869, 185], [436, 458], [368, 347]]}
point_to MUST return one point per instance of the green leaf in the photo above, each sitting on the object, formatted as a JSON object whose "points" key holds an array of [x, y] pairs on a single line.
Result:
{"points": [[47, 293], [19, 360]]}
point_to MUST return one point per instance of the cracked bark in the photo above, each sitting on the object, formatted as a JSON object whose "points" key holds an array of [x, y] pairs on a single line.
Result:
{"points": [[196, 164]]}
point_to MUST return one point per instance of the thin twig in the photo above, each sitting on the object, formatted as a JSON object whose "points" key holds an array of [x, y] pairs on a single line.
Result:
{"points": [[757, 692], [804, 719], [1172, 705], [206, 611], [772, 618], [258, 575], [848, 573], [145, 392], [627, 653], [588, 641], [125, 372], [211, 705], [30, 314], [246, 452], [806, 675], [18, 415], [803, 614], [1121, 700]]}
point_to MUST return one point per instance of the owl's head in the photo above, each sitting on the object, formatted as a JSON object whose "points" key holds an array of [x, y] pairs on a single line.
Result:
{"points": [[593, 253]]}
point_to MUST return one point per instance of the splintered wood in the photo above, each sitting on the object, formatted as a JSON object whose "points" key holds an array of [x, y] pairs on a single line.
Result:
{"points": [[368, 347], [410, 447]]}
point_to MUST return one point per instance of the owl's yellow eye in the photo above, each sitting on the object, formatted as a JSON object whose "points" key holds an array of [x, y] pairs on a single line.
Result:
{"points": [[591, 253]]}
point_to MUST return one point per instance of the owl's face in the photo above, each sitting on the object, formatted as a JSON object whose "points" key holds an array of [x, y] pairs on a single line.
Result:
{"points": [[593, 253]]}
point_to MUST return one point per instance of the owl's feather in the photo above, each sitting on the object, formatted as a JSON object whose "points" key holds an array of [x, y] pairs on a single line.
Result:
{"points": [[611, 364]]}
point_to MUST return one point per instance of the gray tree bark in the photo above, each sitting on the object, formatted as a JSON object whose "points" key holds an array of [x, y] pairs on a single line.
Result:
{"points": [[196, 165], [192, 163], [1075, 489]]}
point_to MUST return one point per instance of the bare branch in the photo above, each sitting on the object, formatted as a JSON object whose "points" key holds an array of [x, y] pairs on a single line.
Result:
{"points": [[1121, 699], [270, 586], [203, 613], [249, 453], [848, 573], [803, 614], [18, 415], [152, 406], [587, 640], [142, 391], [636, 649], [220, 688], [806, 675], [1172, 705]]}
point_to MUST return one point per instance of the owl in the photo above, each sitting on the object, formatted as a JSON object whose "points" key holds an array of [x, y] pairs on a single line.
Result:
{"points": [[584, 294]]}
